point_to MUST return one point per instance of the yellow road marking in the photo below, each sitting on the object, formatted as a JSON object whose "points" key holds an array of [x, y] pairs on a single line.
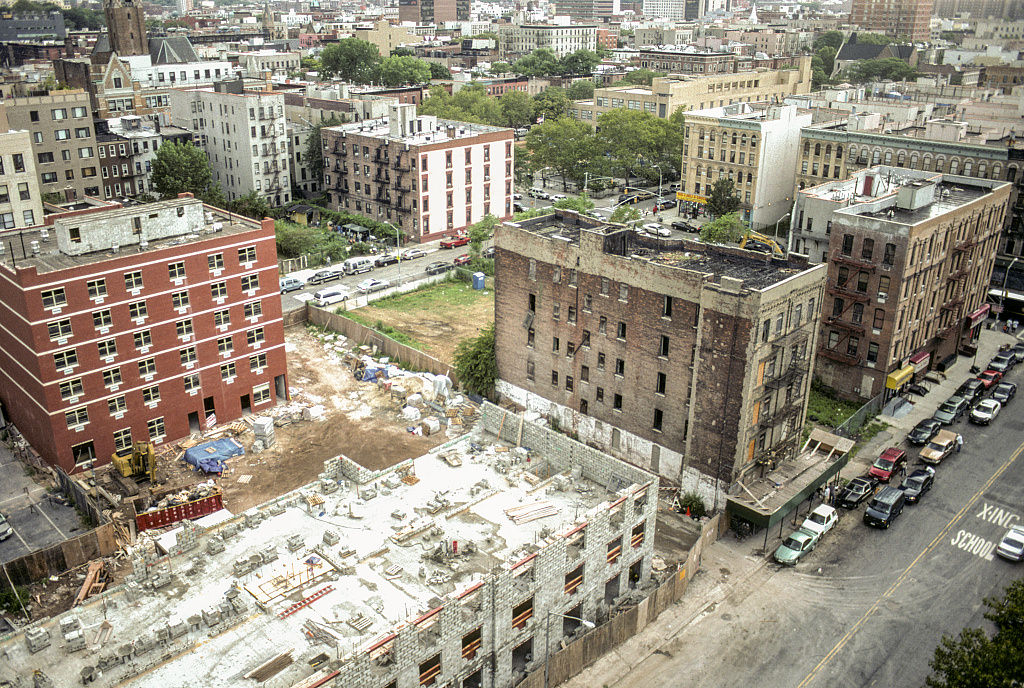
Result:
{"points": [[906, 572]]}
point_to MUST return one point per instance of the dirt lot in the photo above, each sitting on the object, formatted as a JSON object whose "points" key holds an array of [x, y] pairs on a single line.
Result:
{"points": [[437, 317], [361, 422]]}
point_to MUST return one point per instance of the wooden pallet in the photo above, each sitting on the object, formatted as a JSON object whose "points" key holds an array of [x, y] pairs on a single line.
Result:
{"points": [[306, 602]]}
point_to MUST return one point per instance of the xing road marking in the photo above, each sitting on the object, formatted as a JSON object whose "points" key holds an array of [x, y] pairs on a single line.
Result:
{"points": [[998, 515], [906, 572]]}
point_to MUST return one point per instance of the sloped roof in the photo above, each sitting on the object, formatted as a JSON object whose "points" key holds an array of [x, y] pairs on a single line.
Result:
{"points": [[172, 50], [859, 51]]}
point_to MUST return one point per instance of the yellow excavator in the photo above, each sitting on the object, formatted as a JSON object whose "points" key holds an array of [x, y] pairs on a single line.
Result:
{"points": [[138, 462], [754, 241]]}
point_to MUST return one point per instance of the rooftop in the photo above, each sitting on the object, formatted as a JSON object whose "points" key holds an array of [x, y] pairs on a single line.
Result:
{"points": [[403, 125], [91, 232], [363, 555]]}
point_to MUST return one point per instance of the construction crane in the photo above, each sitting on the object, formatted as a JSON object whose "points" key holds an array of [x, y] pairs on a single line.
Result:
{"points": [[139, 462], [754, 241]]}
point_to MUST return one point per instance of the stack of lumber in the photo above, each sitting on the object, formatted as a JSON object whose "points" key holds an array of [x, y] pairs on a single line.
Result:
{"points": [[531, 512]]}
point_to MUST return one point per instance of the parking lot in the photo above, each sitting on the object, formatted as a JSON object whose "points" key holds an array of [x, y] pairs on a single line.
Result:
{"points": [[37, 520]]}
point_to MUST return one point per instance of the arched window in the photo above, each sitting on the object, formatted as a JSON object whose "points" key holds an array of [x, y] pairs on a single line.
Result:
{"points": [[901, 158], [828, 150], [927, 163], [734, 138], [807, 147], [954, 166], [997, 170], [968, 167], [940, 164], [753, 142], [700, 133], [743, 140], [876, 157], [913, 161], [888, 157], [817, 149], [839, 152], [750, 178], [1011, 173], [802, 186]]}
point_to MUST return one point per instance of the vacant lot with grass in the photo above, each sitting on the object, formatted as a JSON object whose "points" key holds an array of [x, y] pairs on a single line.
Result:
{"points": [[432, 319]]}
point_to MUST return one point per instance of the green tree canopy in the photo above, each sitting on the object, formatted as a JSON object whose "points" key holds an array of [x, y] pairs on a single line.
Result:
{"points": [[632, 137], [402, 51], [470, 104], [564, 145], [639, 77], [551, 103], [251, 205], [625, 214], [580, 90], [476, 364], [871, 38], [403, 70], [725, 229], [180, 168], [722, 199], [516, 109], [313, 157], [439, 71], [351, 59], [832, 39], [579, 63], [500, 68], [887, 69], [581, 203], [540, 62], [978, 660]]}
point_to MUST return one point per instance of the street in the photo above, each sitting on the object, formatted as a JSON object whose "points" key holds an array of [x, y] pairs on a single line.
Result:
{"points": [[868, 606]]}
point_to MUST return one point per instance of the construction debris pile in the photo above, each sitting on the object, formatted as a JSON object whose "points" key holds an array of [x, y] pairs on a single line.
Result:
{"points": [[189, 494]]}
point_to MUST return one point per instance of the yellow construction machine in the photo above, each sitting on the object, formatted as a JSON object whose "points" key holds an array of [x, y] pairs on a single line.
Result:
{"points": [[137, 462], [754, 241]]}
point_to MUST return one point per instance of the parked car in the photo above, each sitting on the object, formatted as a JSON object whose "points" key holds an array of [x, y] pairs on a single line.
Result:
{"points": [[985, 412], [990, 377], [437, 267], [1018, 351], [1004, 391], [795, 546], [517, 197], [889, 462], [290, 284], [1010, 547], [821, 520], [951, 410], [917, 483], [652, 228], [368, 286], [462, 260], [385, 259], [518, 207], [453, 241], [538, 193], [675, 186], [923, 431], [918, 389], [628, 199], [664, 203], [557, 197], [5, 528], [885, 507], [971, 390], [488, 252], [855, 492], [328, 295], [1003, 361], [685, 226], [321, 276], [413, 253], [939, 447]]}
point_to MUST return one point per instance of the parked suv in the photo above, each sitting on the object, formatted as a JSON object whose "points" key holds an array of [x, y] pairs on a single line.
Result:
{"points": [[951, 410], [885, 507], [971, 390], [889, 462]]}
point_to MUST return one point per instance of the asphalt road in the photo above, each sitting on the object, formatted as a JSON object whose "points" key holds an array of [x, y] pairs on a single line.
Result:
{"points": [[868, 607]]}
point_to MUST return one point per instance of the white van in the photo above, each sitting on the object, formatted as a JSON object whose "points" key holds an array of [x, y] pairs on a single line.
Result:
{"points": [[354, 266], [329, 295]]}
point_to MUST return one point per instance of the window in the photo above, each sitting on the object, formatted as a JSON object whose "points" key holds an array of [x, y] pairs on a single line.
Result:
{"points": [[556, 275], [261, 393], [71, 388], [59, 113], [221, 318], [851, 346], [187, 355], [621, 331], [215, 261], [867, 249], [602, 325], [123, 439], [623, 292], [657, 420], [179, 299], [65, 359], [184, 327], [872, 352], [572, 314], [224, 345], [54, 298], [247, 254], [117, 404], [156, 428], [890, 254], [176, 270], [191, 382], [137, 310], [255, 336], [858, 313], [883, 287], [555, 344], [663, 347], [620, 366], [600, 361], [227, 371], [59, 329], [847, 244], [76, 417], [605, 285], [133, 280], [568, 383], [833, 339], [151, 394], [250, 282], [556, 310], [143, 339], [617, 402], [147, 366], [554, 378], [253, 309], [219, 290], [257, 362], [862, 282], [111, 377], [666, 307]]}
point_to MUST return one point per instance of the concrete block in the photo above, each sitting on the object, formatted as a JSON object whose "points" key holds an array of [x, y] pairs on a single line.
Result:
{"points": [[69, 623], [214, 545], [331, 538], [37, 639], [74, 641], [211, 616], [268, 553], [295, 542]]}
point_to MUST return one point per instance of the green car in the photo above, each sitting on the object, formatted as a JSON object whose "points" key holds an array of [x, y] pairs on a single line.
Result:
{"points": [[795, 546]]}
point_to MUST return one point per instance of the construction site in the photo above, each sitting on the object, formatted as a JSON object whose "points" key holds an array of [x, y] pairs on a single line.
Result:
{"points": [[468, 565]]}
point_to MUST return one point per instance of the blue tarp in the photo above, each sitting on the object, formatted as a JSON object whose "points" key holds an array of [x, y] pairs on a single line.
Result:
{"points": [[209, 457], [370, 374]]}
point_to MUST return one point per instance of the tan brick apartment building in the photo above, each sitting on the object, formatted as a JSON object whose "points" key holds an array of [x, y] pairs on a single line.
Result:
{"points": [[693, 361], [904, 19], [428, 177], [21, 203], [910, 256], [140, 323]]}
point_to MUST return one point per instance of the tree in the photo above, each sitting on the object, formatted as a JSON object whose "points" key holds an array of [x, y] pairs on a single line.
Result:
{"points": [[580, 90], [481, 232], [581, 203], [476, 364], [402, 51], [625, 214], [541, 62], [551, 103], [581, 62], [313, 157], [564, 145], [977, 660], [887, 69], [180, 168], [500, 68], [827, 54], [639, 77], [724, 229], [722, 198], [832, 39], [516, 109], [310, 64], [871, 39], [251, 205], [399, 71], [633, 139], [439, 71], [470, 104], [351, 59]]}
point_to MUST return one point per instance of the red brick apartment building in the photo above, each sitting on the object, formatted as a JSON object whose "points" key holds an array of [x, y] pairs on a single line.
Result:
{"points": [[147, 322]]}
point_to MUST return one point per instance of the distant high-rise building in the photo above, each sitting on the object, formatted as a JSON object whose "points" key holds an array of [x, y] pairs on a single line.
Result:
{"points": [[587, 10], [997, 9], [126, 25], [433, 11], [907, 19]]}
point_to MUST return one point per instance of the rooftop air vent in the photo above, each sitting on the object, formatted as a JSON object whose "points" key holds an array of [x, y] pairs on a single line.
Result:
{"points": [[35, 247]]}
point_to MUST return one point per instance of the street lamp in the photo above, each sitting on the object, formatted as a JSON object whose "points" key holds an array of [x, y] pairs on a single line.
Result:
{"points": [[775, 234], [398, 249], [589, 625]]}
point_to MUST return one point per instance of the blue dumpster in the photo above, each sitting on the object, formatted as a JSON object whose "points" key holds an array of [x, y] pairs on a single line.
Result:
{"points": [[478, 280]]}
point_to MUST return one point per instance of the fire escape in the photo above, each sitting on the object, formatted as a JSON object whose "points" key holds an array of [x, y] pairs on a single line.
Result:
{"points": [[956, 287], [791, 353], [846, 321]]}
